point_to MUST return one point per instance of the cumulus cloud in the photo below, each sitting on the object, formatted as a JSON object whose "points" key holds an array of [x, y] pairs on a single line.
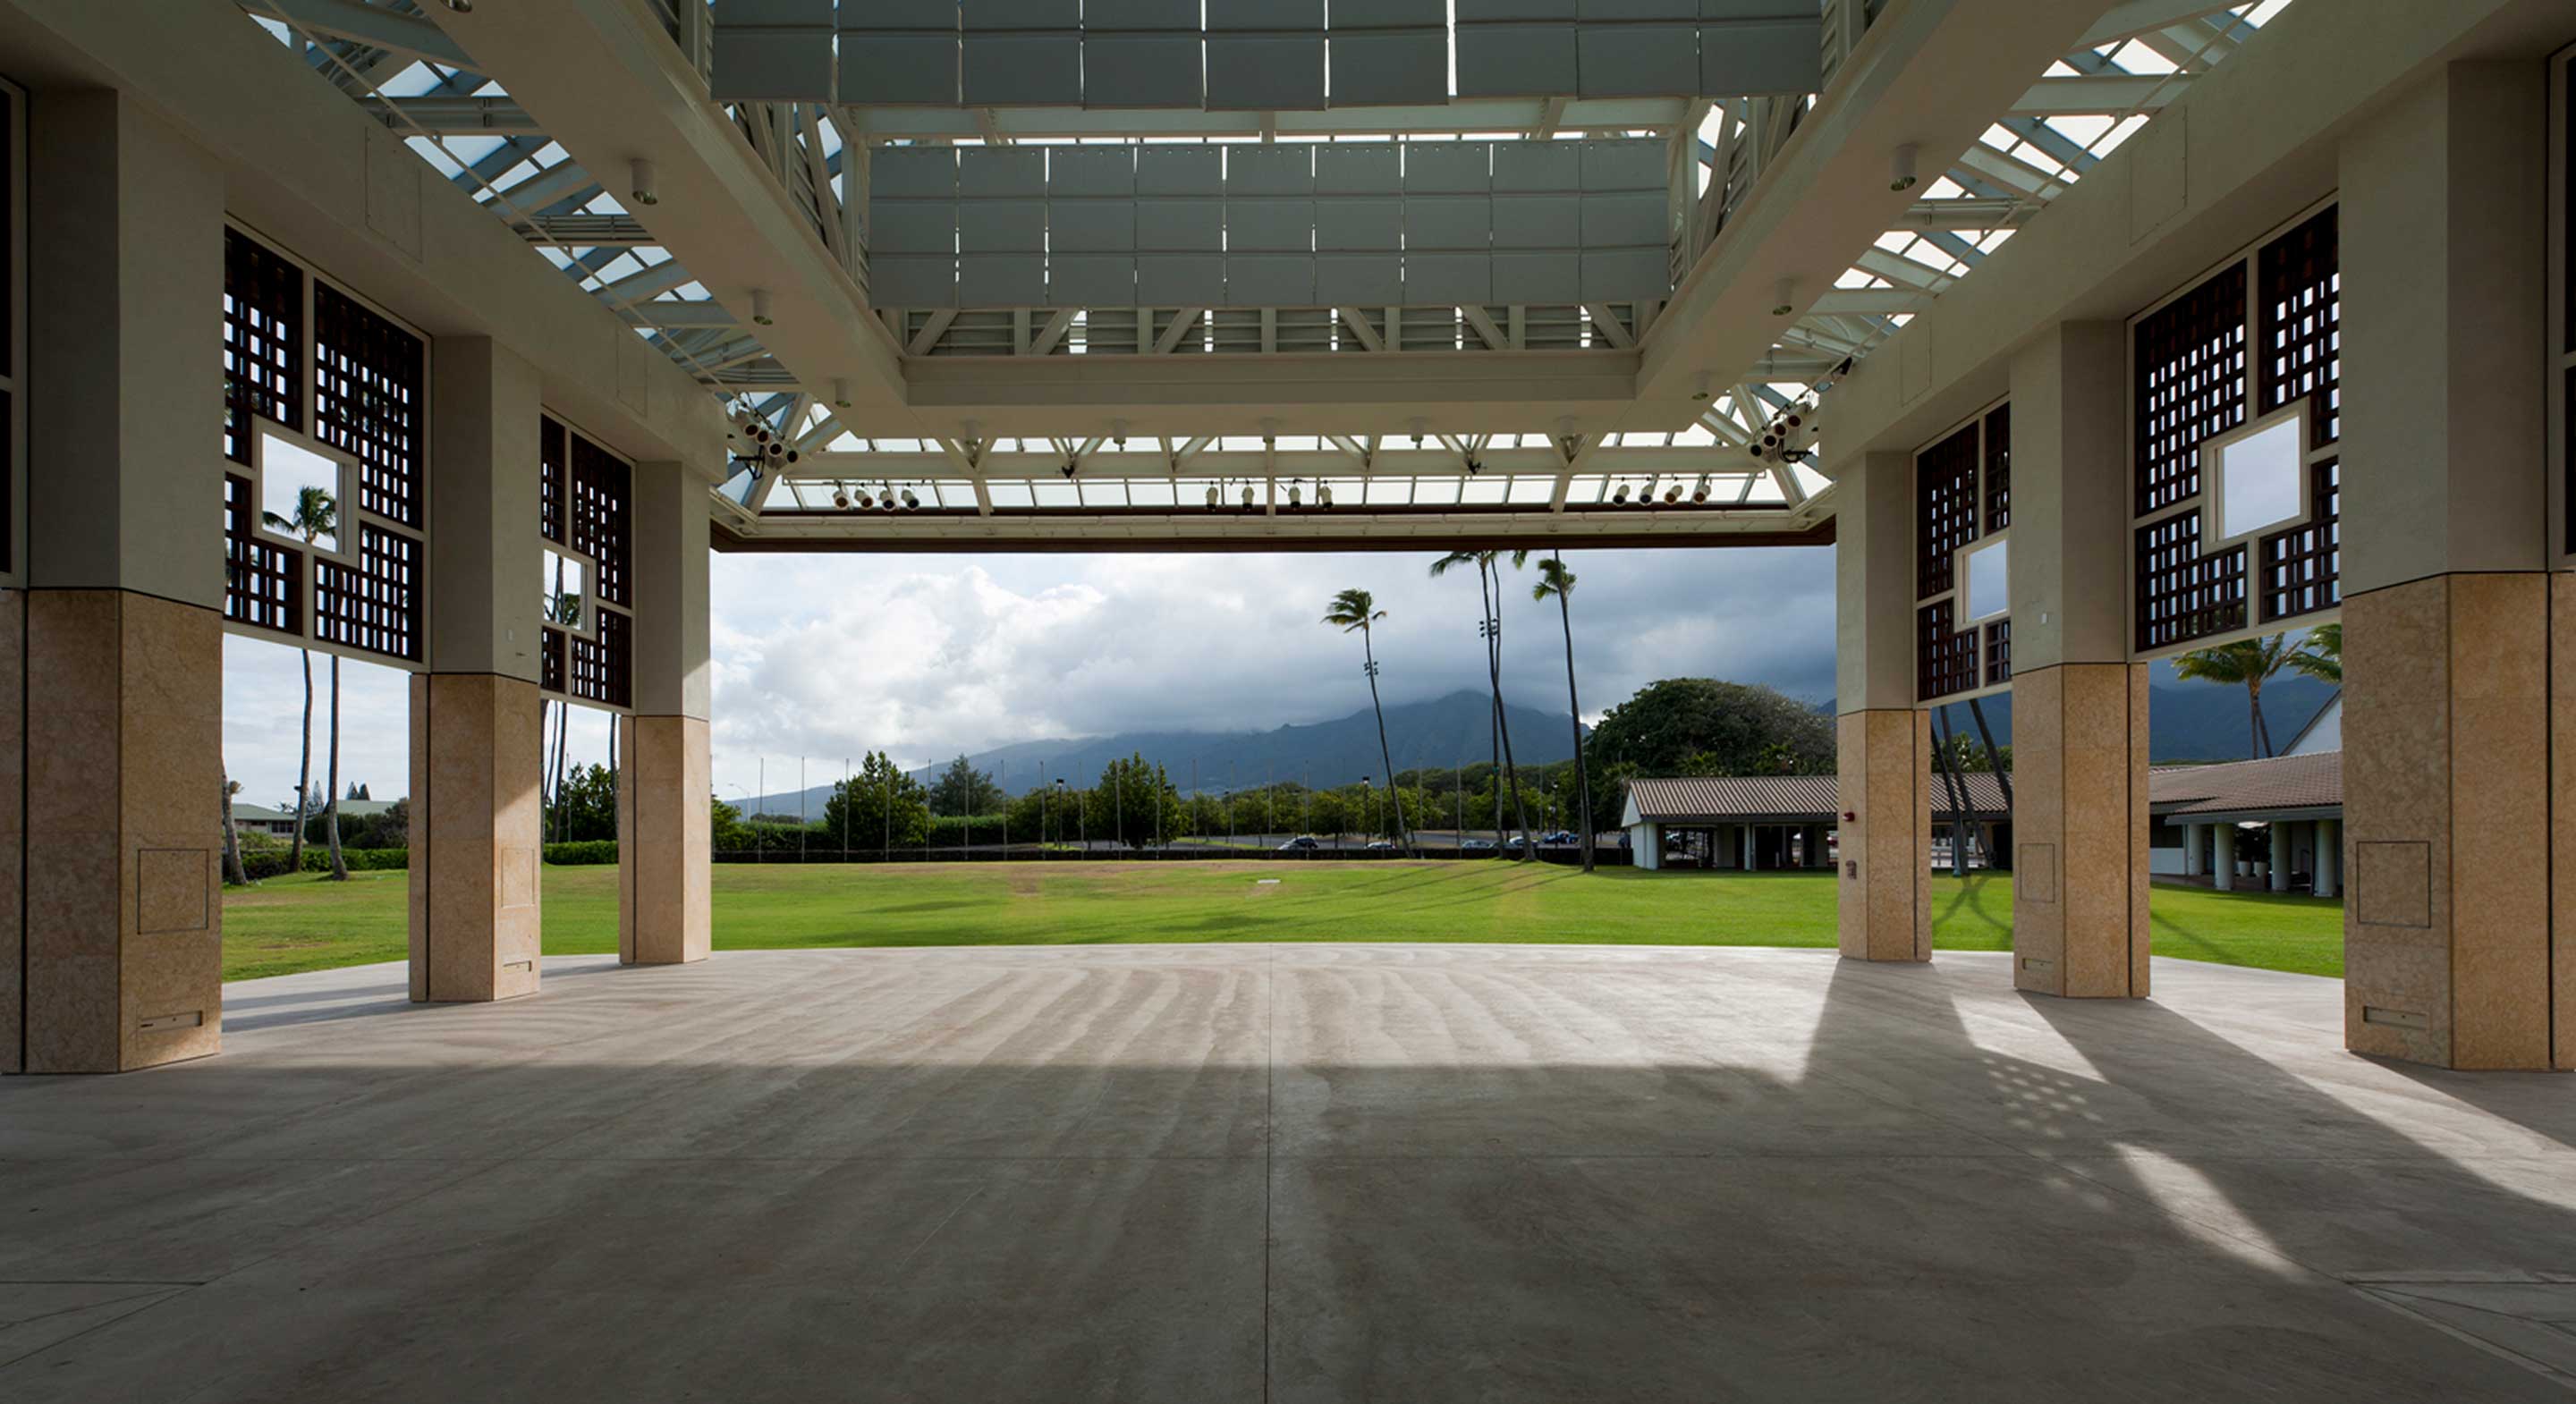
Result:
{"points": [[926, 656]]}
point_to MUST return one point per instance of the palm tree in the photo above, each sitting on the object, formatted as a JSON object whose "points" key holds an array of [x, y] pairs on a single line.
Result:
{"points": [[1555, 580], [331, 810], [234, 872], [1357, 610], [1489, 589], [2320, 656], [316, 515], [2251, 662]]}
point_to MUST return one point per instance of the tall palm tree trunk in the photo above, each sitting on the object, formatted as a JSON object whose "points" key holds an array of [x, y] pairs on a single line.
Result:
{"points": [[331, 816], [1957, 788], [303, 773], [2262, 727], [1503, 724], [1574, 704], [1385, 756], [234, 872], [1999, 858]]}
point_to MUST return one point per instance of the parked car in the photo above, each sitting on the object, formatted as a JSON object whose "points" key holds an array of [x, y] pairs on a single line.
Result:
{"points": [[1301, 844], [1381, 846], [1477, 846], [1561, 836]]}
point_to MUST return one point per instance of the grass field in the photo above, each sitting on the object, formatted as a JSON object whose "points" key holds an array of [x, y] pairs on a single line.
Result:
{"points": [[303, 923]]}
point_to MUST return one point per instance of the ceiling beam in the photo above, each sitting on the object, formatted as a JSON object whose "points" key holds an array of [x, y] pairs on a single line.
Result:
{"points": [[1933, 74], [968, 124], [373, 26], [632, 95], [455, 116], [2132, 18], [2106, 95]]}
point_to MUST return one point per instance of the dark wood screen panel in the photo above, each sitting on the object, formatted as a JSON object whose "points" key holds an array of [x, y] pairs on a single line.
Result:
{"points": [[2190, 359], [263, 341], [373, 605], [603, 668], [1999, 469], [553, 462], [2183, 595], [2302, 326], [1945, 661], [263, 582], [367, 401], [2302, 567], [602, 517], [1999, 653], [1946, 508], [550, 671]]}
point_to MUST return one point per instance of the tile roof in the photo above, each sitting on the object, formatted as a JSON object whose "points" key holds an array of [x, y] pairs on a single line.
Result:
{"points": [[1785, 798], [2239, 787]]}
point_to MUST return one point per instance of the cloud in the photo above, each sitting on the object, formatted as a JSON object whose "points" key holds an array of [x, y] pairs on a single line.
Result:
{"points": [[830, 656]]}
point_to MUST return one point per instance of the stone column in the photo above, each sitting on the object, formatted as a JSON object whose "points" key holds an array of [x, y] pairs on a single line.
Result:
{"points": [[2194, 838], [1883, 741], [111, 734], [2329, 858], [2079, 706], [2449, 946], [2222, 863], [664, 845], [477, 727]]}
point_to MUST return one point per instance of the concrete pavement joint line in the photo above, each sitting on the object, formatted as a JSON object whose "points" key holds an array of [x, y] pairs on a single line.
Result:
{"points": [[174, 1291], [2496, 1349]]}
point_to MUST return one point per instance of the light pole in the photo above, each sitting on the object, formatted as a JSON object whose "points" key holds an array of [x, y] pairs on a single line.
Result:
{"points": [[1368, 806]]}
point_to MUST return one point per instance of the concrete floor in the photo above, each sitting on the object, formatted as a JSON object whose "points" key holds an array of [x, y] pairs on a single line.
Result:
{"points": [[1412, 1174]]}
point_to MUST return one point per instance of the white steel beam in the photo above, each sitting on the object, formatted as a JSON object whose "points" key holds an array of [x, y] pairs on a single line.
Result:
{"points": [[631, 94], [373, 26]]}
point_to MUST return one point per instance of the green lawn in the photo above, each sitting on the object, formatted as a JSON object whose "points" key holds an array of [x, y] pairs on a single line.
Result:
{"points": [[302, 923]]}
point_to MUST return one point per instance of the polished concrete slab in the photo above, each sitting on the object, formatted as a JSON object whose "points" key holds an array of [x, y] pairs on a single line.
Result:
{"points": [[1311, 1173]]}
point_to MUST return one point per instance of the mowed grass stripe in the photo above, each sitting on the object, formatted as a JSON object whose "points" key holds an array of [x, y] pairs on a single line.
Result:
{"points": [[303, 923]]}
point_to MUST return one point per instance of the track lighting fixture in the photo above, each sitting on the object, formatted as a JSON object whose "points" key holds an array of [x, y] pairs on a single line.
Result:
{"points": [[841, 498], [866, 499], [1296, 497], [760, 308], [1212, 496], [1673, 493], [1323, 494], [1247, 494], [1700, 493], [641, 178], [1621, 496], [1784, 297], [841, 394], [462, 7], [909, 501], [1900, 173]]}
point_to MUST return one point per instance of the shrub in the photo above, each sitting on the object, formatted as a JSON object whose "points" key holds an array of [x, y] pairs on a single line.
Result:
{"points": [[262, 863], [586, 853]]}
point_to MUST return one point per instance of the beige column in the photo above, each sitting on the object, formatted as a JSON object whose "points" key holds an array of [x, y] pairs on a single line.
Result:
{"points": [[2080, 824], [476, 722], [664, 846], [113, 724], [1883, 741], [2449, 946]]}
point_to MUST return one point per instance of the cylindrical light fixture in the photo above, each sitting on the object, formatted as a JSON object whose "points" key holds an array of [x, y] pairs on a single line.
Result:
{"points": [[909, 500], [1323, 494], [1900, 168], [641, 179], [841, 498], [760, 308], [1784, 297], [841, 393], [1212, 496], [1296, 496], [1247, 494]]}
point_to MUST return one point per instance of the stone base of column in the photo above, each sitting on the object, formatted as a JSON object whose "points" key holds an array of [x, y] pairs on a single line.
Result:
{"points": [[122, 767], [2080, 828], [665, 847], [2448, 948], [477, 831], [1885, 895]]}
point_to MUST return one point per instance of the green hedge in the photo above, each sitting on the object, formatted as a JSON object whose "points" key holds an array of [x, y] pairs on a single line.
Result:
{"points": [[271, 862], [588, 853]]}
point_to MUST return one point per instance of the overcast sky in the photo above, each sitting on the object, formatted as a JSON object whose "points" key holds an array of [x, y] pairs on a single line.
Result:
{"points": [[925, 656]]}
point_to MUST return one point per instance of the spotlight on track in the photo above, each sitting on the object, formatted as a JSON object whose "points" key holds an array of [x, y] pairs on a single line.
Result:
{"points": [[1621, 496], [1673, 493], [1296, 496], [910, 501], [1213, 496], [641, 186], [841, 498], [866, 500], [1900, 168], [1323, 494], [1700, 493], [1247, 494], [760, 308]]}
